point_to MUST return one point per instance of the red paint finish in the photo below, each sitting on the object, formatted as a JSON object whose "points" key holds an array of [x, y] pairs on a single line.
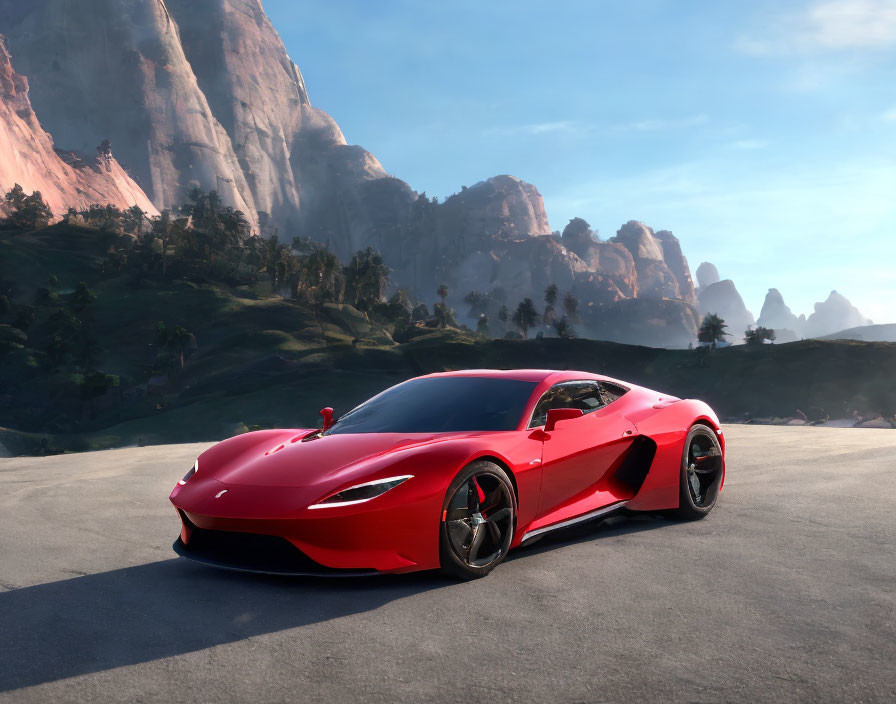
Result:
{"points": [[273, 477], [577, 455]]}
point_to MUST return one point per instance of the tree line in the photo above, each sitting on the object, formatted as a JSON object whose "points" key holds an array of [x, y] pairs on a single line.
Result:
{"points": [[206, 239]]}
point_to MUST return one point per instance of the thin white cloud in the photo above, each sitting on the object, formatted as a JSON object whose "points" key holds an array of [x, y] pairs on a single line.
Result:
{"points": [[749, 144], [829, 25], [655, 124], [889, 115], [572, 127], [540, 128]]}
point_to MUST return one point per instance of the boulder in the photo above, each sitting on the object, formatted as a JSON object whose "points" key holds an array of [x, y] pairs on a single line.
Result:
{"points": [[875, 423]]}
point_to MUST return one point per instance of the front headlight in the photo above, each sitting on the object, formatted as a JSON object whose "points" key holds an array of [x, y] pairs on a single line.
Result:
{"points": [[361, 492], [193, 470]]}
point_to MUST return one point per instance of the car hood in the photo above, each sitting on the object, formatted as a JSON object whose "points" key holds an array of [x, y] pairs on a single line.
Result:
{"points": [[292, 462]]}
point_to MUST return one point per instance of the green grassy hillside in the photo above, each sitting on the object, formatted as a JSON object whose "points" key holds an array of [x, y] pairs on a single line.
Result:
{"points": [[255, 359]]}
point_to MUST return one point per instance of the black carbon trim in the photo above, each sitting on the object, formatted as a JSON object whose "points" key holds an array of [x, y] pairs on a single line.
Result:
{"points": [[261, 554]]}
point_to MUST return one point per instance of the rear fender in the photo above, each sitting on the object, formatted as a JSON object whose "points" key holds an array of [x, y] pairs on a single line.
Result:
{"points": [[668, 425]]}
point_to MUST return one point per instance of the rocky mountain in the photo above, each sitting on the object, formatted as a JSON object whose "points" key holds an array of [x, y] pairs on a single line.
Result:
{"points": [[723, 299], [193, 93], [777, 316], [655, 277], [625, 286], [28, 157], [202, 93], [834, 314], [707, 274], [116, 70], [678, 264]]}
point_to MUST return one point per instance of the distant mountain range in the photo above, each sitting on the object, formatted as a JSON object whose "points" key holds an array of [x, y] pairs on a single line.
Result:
{"points": [[202, 93]]}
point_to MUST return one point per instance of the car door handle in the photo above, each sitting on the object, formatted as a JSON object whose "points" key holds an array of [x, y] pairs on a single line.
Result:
{"points": [[627, 432], [534, 461]]}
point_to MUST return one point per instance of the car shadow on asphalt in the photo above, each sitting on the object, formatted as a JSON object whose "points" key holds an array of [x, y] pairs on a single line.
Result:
{"points": [[161, 609], [589, 531]]}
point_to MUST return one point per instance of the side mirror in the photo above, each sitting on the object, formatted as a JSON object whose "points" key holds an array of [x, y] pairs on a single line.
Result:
{"points": [[555, 415], [327, 414]]}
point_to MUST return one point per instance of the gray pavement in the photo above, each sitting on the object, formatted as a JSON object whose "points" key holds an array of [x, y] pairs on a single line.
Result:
{"points": [[786, 592]]}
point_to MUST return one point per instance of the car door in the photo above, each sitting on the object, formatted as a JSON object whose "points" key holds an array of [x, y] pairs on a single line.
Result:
{"points": [[578, 452]]}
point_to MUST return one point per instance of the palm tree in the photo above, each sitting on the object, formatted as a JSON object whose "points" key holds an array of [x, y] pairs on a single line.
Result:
{"points": [[367, 277], [525, 316], [478, 303], [133, 219], [173, 344], [504, 316], [563, 328], [571, 306], [550, 298], [712, 329]]}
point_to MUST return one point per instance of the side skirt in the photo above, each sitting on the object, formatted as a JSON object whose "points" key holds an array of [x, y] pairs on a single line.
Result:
{"points": [[572, 521]]}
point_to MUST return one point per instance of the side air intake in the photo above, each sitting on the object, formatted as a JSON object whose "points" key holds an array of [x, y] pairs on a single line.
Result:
{"points": [[635, 465]]}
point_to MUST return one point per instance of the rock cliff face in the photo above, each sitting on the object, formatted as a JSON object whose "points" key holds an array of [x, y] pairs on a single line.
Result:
{"points": [[502, 207], [192, 93], [293, 156], [115, 69], [611, 262], [677, 264], [65, 180], [655, 277]]}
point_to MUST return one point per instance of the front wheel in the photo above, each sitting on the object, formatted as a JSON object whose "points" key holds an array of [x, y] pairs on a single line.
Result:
{"points": [[478, 520], [701, 473]]}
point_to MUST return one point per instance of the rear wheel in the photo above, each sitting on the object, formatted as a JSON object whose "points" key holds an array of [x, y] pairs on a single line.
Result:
{"points": [[701, 473], [478, 520]]}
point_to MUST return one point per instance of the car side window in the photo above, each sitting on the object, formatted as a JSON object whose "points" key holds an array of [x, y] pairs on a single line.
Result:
{"points": [[584, 395], [611, 391]]}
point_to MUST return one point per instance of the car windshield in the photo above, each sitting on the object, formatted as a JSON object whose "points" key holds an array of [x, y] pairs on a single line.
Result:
{"points": [[440, 405]]}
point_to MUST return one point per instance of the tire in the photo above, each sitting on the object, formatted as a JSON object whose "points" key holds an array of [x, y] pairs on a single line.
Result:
{"points": [[478, 521], [701, 474]]}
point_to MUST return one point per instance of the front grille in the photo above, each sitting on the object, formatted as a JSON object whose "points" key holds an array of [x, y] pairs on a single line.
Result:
{"points": [[254, 553]]}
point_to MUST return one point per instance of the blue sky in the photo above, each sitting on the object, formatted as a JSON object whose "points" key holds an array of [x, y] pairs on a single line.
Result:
{"points": [[763, 134]]}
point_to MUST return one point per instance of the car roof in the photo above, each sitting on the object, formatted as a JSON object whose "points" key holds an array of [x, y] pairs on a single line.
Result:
{"points": [[538, 375]]}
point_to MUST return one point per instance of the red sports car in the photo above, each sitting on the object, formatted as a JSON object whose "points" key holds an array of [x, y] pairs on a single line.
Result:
{"points": [[448, 471]]}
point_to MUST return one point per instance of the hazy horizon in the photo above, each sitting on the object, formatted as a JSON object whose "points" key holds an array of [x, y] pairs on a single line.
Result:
{"points": [[760, 135]]}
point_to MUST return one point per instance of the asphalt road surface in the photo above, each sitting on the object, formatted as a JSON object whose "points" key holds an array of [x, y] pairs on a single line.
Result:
{"points": [[786, 592]]}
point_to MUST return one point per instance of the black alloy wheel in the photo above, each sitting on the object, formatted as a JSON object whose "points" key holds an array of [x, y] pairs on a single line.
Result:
{"points": [[478, 521], [701, 473]]}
